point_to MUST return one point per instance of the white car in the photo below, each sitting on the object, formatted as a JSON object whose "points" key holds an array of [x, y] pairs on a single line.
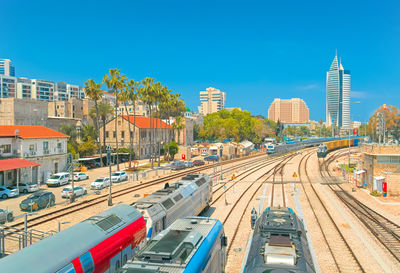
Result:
{"points": [[58, 179], [25, 188], [119, 176], [78, 191], [80, 176], [6, 192], [100, 183]]}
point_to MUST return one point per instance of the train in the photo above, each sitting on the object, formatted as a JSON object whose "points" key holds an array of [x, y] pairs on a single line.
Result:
{"points": [[279, 243], [326, 147], [186, 197], [190, 244], [102, 243], [294, 145]]}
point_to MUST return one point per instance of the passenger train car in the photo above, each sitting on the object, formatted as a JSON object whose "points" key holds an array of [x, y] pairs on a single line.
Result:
{"points": [[329, 146], [190, 244], [279, 243], [289, 146], [102, 243], [186, 197]]}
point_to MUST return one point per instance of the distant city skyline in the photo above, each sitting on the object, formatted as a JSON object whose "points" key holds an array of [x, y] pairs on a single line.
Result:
{"points": [[257, 53]]}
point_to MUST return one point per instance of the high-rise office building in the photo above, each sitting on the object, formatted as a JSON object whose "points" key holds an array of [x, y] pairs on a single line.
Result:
{"points": [[338, 95], [6, 68], [212, 100], [289, 111]]}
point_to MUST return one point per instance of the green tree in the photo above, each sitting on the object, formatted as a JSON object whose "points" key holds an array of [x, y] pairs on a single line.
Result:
{"points": [[105, 112], [391, 115], [87, 148], [93, 91], [171, 149], [115, 83]]}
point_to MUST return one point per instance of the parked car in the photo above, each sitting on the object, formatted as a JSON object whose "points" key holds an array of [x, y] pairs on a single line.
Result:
{"points": [[198, 162], [38, 200], [188, 164], [100, 183], [25, 188], [58, 179], [6, 192], [80, 176], [211, 158], [119, 176], [6, 216], [78, 191], [177, 165]]}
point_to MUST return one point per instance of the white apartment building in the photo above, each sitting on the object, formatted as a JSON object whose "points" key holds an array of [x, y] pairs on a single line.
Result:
{"points": [[6, 68], [212, 100], [35, 143]]}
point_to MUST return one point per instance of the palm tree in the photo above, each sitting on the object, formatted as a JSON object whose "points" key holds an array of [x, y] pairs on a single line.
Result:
{"points": [[162, 96], [130, 95], [147, 95], [115, 83], [178, 125], [93, 91], [105, 111]]}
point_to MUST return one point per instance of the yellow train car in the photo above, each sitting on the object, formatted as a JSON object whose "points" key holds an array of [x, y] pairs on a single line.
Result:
{"points": [[333, 145]]}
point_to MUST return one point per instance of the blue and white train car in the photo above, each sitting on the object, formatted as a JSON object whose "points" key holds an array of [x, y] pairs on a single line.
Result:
{"points": [[186, 197], [190, 244]]}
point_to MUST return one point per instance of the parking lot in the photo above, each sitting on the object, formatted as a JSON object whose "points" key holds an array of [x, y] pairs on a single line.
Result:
{"points": [[14, 202]]}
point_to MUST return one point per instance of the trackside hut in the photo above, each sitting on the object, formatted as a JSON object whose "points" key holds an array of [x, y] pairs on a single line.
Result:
{"points": [[14, 171]]}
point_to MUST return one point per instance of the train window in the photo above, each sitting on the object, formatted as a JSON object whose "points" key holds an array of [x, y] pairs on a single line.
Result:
{"points": [[69, 268], [168, 203], [87, 262], [178, 197], [125, 259], [201, 181]]}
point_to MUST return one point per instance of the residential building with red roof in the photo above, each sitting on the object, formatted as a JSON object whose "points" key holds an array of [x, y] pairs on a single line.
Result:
{"points": [[140, 128], [39, 144]]}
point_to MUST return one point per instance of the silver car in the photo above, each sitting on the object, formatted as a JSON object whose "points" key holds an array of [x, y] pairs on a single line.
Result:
{"points": [[100, 183], [25, 188], [78, 191], [6, 216]]}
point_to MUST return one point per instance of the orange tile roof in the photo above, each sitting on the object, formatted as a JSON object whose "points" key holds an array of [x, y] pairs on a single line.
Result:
{"points": [[29, 131], [16, 163], [144, 122]]}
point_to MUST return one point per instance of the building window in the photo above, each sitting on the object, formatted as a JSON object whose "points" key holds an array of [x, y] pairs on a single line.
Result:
{"points": [[45, 146], [5, 149], [31, 147], [386, 159], [114, 134], [122, 134], [9, 175], [106, 134], [59, 147], [131, 135]]}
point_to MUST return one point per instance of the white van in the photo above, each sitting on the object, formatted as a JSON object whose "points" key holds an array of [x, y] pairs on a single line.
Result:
{"points": [[58, 179]]}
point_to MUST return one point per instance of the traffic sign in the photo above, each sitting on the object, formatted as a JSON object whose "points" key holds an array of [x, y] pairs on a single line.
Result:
{"points": [[294, 174]]}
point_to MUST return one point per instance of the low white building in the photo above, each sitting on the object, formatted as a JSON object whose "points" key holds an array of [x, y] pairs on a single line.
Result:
{"points": [[35, 143]]}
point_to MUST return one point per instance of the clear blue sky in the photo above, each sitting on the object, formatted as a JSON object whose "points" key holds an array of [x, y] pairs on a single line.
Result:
{"points": [[253, 50]]}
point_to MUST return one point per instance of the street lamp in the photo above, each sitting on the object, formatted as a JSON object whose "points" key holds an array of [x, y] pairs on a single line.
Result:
{"points": [[62, 223], [109, 166], [220, 158]]}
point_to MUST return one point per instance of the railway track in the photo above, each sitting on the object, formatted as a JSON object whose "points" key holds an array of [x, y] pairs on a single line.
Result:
{"points": [[264, 177], [383, 229], [80, 205], [282, 185], [343, 256]]}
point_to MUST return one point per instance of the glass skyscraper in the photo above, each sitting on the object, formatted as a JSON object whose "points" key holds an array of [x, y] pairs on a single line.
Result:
{"points": [[338, 95]]}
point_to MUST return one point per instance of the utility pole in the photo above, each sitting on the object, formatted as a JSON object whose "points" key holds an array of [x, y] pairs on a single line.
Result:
{"points": [[109, 169], [71, 164], [349, 156], [220, 158]]}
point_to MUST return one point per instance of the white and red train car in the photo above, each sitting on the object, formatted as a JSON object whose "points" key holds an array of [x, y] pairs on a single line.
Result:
{"points": [[102, 243]]}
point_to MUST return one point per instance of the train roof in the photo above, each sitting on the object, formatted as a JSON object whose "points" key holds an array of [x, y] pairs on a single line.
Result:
{"points": [[181, 246], [279, 237], [53, 252], [185, 187]]}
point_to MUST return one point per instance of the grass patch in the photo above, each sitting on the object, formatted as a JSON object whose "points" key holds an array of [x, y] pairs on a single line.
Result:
{"points": [[375, 193], [346, 167]]}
